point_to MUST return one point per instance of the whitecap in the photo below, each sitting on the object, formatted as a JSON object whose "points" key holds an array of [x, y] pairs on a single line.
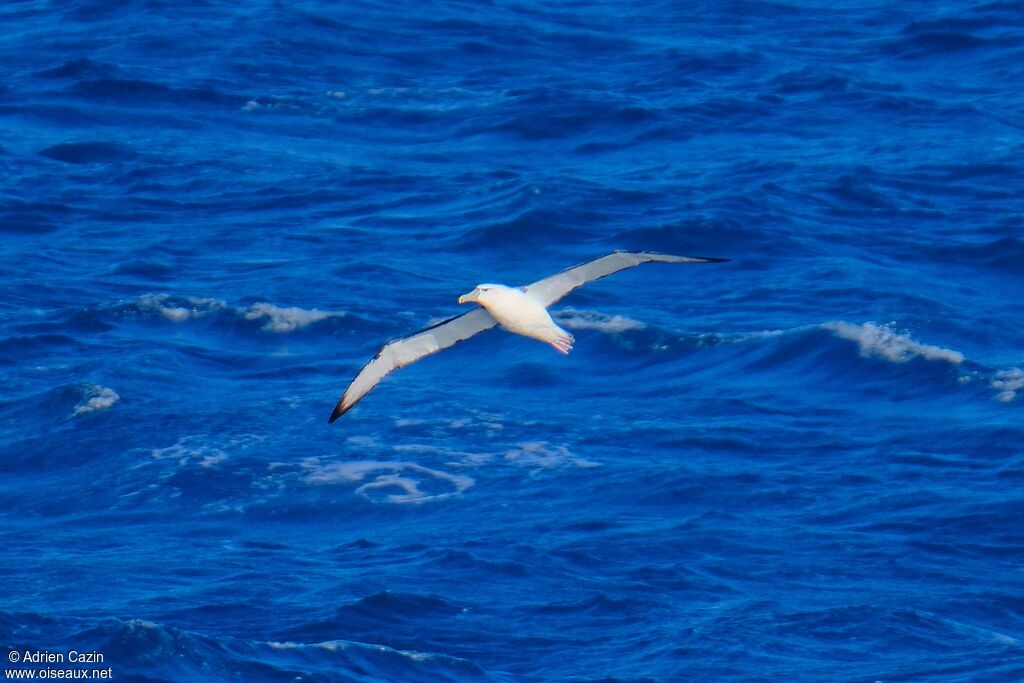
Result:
{"points": [[576, 319], [882, 341], [96, 398], [175, 311], [341, 645], [274, 318], [1008, 383], [288, 319]]}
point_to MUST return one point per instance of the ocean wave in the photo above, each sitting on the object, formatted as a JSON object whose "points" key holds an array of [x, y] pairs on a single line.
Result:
{"points": [[598, 605], [532, 227], [921, 41], [1008, 383], [96, 399], [720, 338], [405, 481], [32, 218], [150, 650], [183, 452], [389, 482], [279, 319], [80, 68], [540, 455], [203, 450], [396, 605], [576, 319], [287, 319], [718, 236], [140, 92], [883, 342], [177, 309], [337, 645], [88, 152], [1002, 253], [551, 113]]}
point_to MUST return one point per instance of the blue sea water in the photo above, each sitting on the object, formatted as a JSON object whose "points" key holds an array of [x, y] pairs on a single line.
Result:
{"points": [[805, 464]]}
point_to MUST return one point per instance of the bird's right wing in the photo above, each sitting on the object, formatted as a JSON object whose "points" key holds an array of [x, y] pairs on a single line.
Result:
{"points": [[400, 352], [551, 289]]}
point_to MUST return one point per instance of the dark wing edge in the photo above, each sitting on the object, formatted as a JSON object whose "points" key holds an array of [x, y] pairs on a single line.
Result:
{"points": [[400, 352], [554, 287]]}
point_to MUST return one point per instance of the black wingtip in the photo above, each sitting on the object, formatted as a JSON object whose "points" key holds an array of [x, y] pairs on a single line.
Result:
{"points": [[338, 412], [696, 259]]}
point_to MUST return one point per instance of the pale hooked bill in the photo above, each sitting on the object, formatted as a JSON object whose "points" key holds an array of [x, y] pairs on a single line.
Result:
{"points": [[522, 310]]}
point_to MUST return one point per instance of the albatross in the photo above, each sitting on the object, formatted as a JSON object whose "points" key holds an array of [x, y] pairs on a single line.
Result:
{"points": [[520, 310]]}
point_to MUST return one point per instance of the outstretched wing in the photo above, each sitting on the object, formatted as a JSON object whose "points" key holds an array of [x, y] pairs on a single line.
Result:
{"points": [[551, 289], [400, 352]]}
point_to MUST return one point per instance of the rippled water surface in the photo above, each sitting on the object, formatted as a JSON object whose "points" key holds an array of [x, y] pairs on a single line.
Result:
{"points": [[804, 464]]}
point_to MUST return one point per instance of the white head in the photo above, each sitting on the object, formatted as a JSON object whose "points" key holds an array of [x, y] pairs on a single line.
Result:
{"points": [[483, 294]]}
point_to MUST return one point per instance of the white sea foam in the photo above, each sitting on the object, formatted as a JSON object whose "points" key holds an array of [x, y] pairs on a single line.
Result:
{"points": [[203, 450], [274, 318], [188, 449], [329, 645], [142, 623], [453, 458], [407, 477], [339, 645], [576, 319], [278, 319], [1008, 383], [882, 341], [95, 399], [163, 304], [363, 441], [491, 424], [715, 338], [541, 455]]}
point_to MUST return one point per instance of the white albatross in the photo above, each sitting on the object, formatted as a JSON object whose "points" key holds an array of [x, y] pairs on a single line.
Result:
{"points": [[521, 310]]}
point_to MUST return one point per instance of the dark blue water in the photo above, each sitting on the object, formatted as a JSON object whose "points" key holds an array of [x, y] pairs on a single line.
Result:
{"points": [[803, 465]]}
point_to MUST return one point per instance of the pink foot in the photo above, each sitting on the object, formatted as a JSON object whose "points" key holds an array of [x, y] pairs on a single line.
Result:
{"points": [[561, 345]]}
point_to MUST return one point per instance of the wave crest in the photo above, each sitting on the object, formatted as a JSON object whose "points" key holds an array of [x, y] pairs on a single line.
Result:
{"points": [[1008, 383], [179, 310], [576, 319], [288, 319], [96, 399], [280, 319], [882, 341]]}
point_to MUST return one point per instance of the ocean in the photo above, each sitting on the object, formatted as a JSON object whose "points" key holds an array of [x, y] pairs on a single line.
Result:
{"points": [[804, 464]]}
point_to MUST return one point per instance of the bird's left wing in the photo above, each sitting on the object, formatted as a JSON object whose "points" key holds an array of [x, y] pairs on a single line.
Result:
{"points": [[551, 289], [400, 352]]}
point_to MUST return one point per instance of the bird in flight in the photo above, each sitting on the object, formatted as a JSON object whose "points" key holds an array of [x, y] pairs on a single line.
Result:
{"points": [[521, 310]]}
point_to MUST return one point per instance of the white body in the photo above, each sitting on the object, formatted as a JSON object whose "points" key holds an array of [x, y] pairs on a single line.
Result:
{"points": [[520, 313]]}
